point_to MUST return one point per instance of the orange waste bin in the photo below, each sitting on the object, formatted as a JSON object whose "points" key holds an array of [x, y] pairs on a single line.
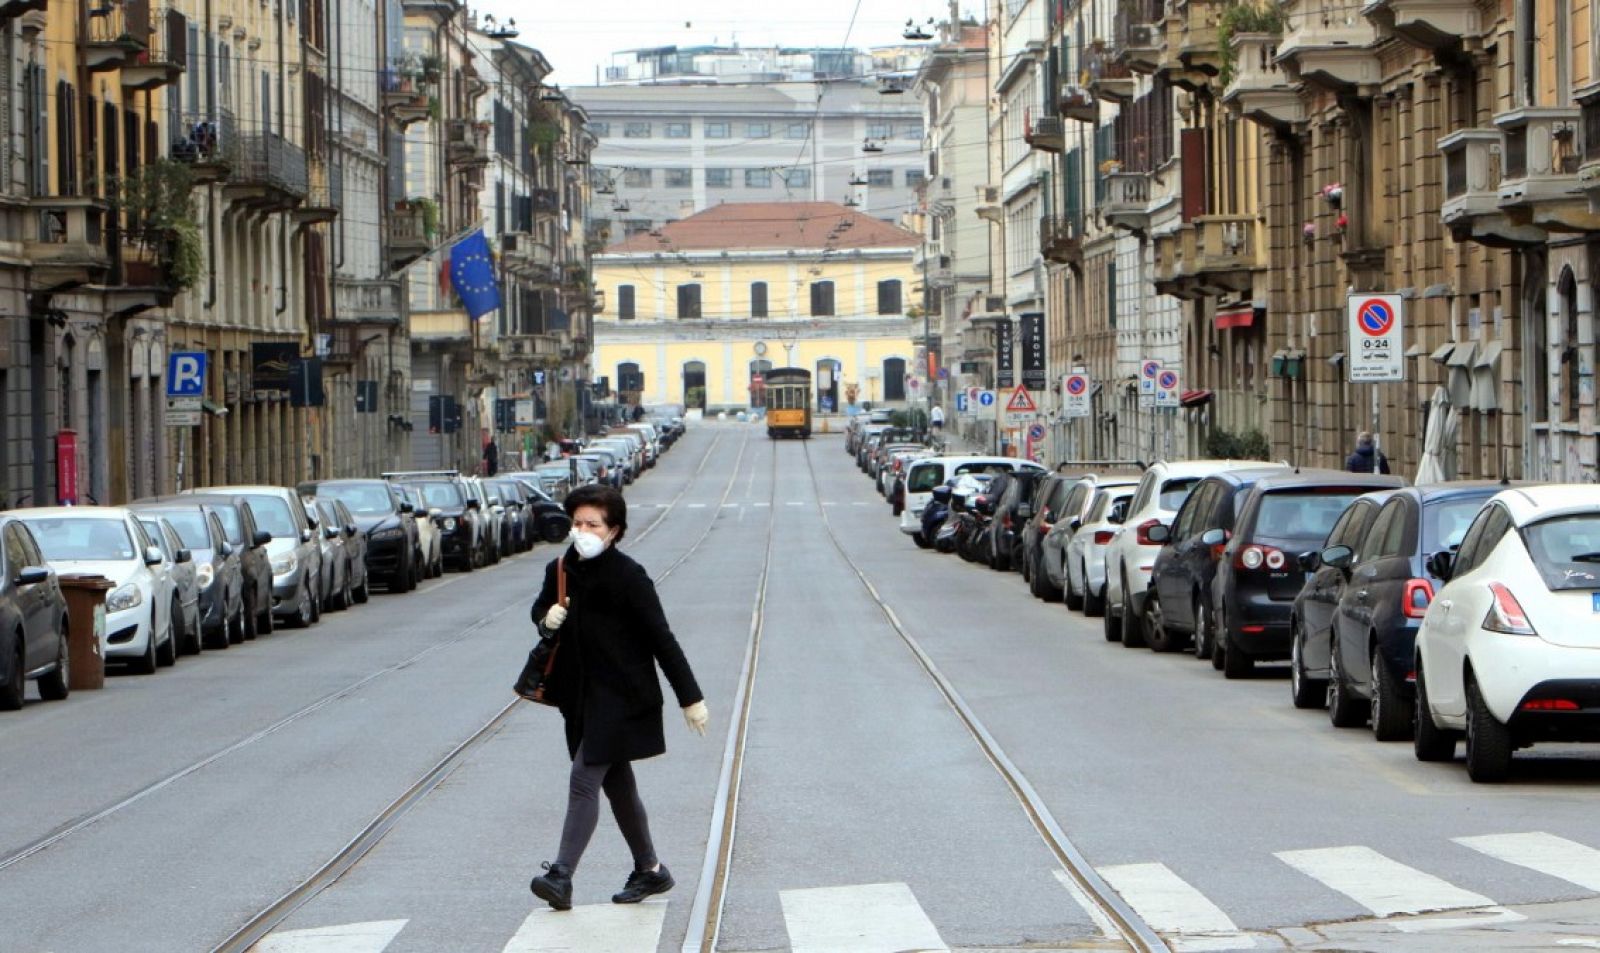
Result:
{"points": [[86, 629]]}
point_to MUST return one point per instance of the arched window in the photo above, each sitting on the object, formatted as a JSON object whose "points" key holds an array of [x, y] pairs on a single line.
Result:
{"points": [[629, 378], [1567, 289], [894, 378], [694, 384], [758, 382], [827, 382]]}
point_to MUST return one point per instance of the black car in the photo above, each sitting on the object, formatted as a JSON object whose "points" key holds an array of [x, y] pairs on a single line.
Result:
{"points": [[1013, 505], [33, 620], [1311, 616], [463, 531], [548, 520], [1049, 498], [249, 543], [351, 581], [1176, 607], [1386, 593], [1259, 575], [385, 518], [218, 572]]}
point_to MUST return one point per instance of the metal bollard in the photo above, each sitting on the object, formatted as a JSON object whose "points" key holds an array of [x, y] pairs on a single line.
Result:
{"points": [[86, 629]]}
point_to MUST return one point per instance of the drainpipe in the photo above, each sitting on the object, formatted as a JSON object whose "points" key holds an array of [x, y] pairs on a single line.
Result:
{"points": [[283, 231], [211, 190]]}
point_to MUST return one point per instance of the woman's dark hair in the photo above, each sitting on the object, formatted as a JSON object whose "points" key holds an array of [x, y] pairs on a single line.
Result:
{"points": [[607, 500]]}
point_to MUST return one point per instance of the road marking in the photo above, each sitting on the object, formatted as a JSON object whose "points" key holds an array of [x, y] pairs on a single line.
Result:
{"points": [[870, 918], [1169, 904], [1382, 885], [795, 503], [697, 506], [1548, 854], [662, 506], [859, 503], [730, 506], [592, 928], [763, 503], [830, 502], [1101, 921], [372, 937]]}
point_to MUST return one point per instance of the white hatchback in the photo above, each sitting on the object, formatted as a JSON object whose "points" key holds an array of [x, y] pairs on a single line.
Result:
{"points": [[1509, 651], [1085, 555], [929, 472]]}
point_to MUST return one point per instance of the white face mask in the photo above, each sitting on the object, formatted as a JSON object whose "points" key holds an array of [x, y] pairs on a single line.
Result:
{"points": [[588, 545]]}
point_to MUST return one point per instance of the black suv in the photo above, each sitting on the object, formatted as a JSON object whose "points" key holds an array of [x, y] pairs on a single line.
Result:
{"points": [[382, 513], [462, 527]]}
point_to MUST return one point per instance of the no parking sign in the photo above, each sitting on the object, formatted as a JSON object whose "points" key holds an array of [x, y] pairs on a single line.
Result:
{"points": [[1075, 395], [1376, 340], [1167, 388]]}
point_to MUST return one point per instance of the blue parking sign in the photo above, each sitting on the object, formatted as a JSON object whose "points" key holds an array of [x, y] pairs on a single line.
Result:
{"points": [[961, 403], [186, 374]]}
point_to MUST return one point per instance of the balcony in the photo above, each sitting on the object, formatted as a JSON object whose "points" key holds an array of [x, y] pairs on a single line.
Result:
{"points": [[1108, 79], [1168, 251], [530, 348], [404, 102], [989, 208], [523, 252], [269, 174], [1329, 45], [409, 236], [1127, 204], [1199, 43], [1061, 239], [318, 207], [16, 8], [1223, 257], [1258, 87], [1471, 207], [440, 10], [1044, 133], [208, 145], [69, 247], [467, 142], [117, 35], [1077, 103], [546, 202], [1137, 37], [368, 302], [1434, 25], [339, 345], [1589, 165], [166, 54], [1539, 169]]}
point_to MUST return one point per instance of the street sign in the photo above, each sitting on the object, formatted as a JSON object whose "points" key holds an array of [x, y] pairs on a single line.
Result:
{"points": [[1377, 348], [1033, 349], [186, 374], [1148, 369], [1005, 373], [962, 404], [986, 398], [1036, 432], [183, 412], [1075, 395], [1020, 407], [1167, 388]]}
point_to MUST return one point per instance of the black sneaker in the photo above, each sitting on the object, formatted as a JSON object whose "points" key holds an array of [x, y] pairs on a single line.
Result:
{"points": [[555, 886], [645, 883]]}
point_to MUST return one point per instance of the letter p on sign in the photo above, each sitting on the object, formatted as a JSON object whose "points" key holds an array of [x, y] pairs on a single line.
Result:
{"points": [[186, 374]]}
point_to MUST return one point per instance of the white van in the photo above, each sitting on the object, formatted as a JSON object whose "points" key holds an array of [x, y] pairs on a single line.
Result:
{"points": [[929, 472]]}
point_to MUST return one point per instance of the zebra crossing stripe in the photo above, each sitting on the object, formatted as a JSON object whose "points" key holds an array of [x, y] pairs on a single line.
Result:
{"points": [[1381, 884], [371, 937], [592, 928], [1546, 853], [869, 918], [1170, 905]]}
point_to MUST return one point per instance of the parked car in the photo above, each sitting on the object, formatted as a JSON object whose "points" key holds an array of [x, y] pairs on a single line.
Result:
{"points": [[386, 516], [1059, 506], [249, 542], [430, 545], [1085, 557], [185, 579], [1259, 575], [1388, 587], [1131, 555], [295, 552], [1311, 616], [219, 571], [348, 553], [1012, 506], [33, 620], [461, 523], [549, 521], [926, 473], [1507, 652], [142, 607], [609, 460], [493, 515]]}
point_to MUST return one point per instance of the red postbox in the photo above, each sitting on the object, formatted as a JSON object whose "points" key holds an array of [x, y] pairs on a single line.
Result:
{"points": [[67, 468]]}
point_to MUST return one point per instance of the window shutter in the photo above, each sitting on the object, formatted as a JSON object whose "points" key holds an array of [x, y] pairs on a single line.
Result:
{"points": [[625, 301], [758, 299], [1193, 158]]}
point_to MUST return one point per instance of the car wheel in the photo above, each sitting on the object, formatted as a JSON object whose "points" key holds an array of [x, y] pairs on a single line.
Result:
{"points": [[1073, 598], [1391, 716], [316, 605], [265, 622], [920, 540], [193, 640], [1306, 691], [1235, 663], [1132, 627], [236, 628], [167, 652], [303, 617], [13, 688], [1156, 633], [365, 592], [223, 638], [1094, 603], [1428, 741], [1343, 711], [146, 664], [55, 686], [1489, 743], [1205, 634]]}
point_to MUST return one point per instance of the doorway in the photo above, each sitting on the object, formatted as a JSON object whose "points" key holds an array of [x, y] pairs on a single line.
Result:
{"points": [[828, 385], [694, 384]]}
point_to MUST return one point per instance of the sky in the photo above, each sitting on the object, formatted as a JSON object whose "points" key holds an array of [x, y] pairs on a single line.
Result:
{"points": [[576, 36]]}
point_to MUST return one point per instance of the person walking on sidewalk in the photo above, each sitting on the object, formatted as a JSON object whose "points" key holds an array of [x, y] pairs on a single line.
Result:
{"points": [[613, 633], [936, 419], [1366, 458]]}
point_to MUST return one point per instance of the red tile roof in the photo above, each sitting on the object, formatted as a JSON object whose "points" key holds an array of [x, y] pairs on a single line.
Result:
{"points": [[754, 226]]}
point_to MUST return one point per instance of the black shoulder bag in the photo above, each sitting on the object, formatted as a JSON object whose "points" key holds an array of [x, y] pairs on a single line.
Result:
{"points": [[534, 683]]}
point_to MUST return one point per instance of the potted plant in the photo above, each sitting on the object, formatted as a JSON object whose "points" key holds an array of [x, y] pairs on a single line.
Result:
{"points": [[163, 246], [431, 66]]}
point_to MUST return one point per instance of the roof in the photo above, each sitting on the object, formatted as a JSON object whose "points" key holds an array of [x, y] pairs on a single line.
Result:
{"points": [[1532, 503], [1313, 477], [770, 225], [70, 512]]}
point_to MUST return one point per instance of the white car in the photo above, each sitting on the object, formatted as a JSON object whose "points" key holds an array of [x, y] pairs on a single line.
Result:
{"points": [[108, 541], [1131, 555], [929, 472], [1509, 651], [428, 538], [1085, 551]]}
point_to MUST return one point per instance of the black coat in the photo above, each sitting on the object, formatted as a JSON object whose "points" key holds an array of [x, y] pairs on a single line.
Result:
{"points": [[1360, 461], [604, 679]]}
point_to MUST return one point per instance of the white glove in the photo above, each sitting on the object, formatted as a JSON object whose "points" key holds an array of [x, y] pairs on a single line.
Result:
{"points": [[554, 618], [697, 716]]}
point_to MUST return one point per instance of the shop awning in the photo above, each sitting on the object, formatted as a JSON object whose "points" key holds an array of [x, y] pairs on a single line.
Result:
{"points": [[1239, 316], [1194, 398], [1463, 354]]}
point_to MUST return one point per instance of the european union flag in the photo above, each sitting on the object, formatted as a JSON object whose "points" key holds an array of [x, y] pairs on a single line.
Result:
{"points": [[472, 275]]}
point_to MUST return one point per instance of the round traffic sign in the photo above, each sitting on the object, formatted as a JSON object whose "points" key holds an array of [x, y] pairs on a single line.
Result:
{"points": [[1036, 432], [1077, 384], [1151, 368], [986, 398], [1168, 380], [1375, 317]]}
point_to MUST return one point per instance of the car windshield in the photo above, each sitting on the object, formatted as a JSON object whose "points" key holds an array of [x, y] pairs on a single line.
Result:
{"points": [[272, 515], [441, 495], [61, 539], [364, 499], [230, 523], [191, 527], [1566, 550], [1444, 522], [152, 527], [1174, 492], [1302, 515]]}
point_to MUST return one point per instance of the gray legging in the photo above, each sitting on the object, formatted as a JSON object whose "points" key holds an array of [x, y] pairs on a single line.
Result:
{"points": [[583, 811]]}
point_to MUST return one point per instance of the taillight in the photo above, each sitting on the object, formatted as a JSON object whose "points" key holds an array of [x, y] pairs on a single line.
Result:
{"points": [[1505, 613], [1418, 594], [1103, 537], [1142, 533], [1005, 520], [1550, 704], [1217, 548], [1256, 557]]}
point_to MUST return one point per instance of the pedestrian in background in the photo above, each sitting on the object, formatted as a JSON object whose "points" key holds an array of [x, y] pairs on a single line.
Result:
{"points": [[491, 458], [613, 634], [1366, 458], [936, 419]]}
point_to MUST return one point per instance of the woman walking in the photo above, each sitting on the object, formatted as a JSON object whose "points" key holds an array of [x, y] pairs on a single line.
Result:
{"points": [[613, 633]]}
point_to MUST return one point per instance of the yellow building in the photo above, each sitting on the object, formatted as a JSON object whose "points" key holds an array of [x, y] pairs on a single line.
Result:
{"points": [[697, 310]]}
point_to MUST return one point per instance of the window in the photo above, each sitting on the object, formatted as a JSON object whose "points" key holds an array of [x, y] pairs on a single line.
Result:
{"points": [[915, 178], [796, 130], [688, 301], [1563, 548], [625, 302], [894, 378], [758, 130], [677, 130], [638, 178], [601, 130], [1391, 519], [1175, 491], [679, 178], [880, 178], [797, 178], [911, 130], [822, 298], [889, 296], [877, 130], [1445, 522], [758, 178], [636, 130], [717, 130], [635, 226], [1481, 539], [629, 377], [719, 178], [758, 299]]}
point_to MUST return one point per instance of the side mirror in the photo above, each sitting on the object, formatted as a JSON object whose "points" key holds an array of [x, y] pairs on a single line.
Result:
{"points": [[225, 549], [407, 508], [1337, 556], [1119, 515], [152, 556], [261, 538], [474, 505], [305, 536], [1159, 533], [350, 529], [1442, 564], [33, 575], [331, 532], [184, 556], [1309, 561], [1215, 536]]}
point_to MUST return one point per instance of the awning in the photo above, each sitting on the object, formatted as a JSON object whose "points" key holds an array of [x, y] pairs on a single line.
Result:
{"points": [[1491, 354], [1463, 354], [1239, 316], [1195, 398], [1443, 353]]}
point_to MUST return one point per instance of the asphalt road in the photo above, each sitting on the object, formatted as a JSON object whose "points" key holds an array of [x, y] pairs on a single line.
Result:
{"points": [[867, 817]]}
